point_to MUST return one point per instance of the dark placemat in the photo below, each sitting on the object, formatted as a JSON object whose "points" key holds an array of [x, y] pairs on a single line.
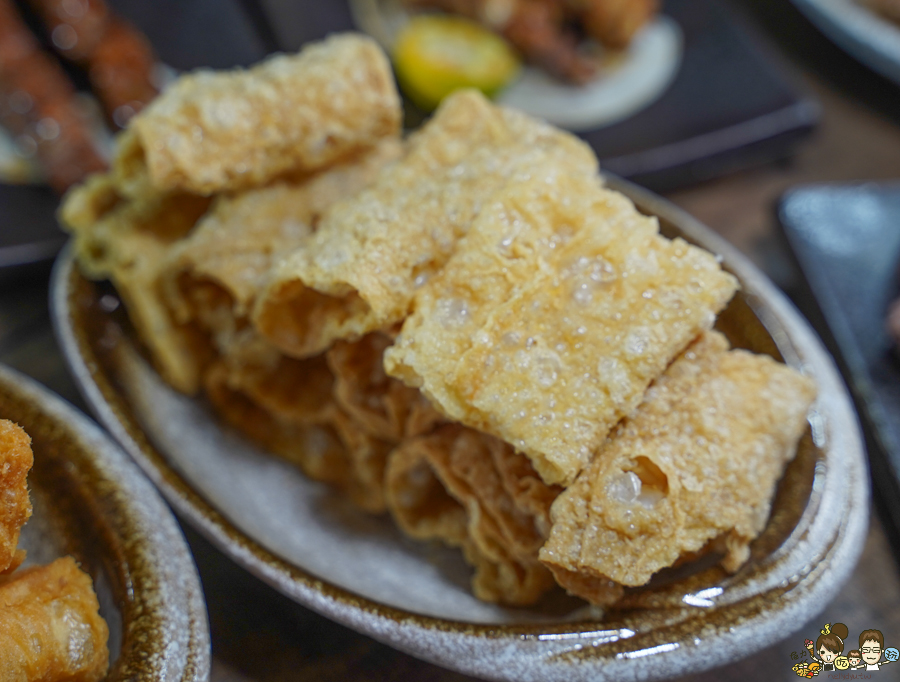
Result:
{"points": [[734, 102], [846, 239], [214, 33]]}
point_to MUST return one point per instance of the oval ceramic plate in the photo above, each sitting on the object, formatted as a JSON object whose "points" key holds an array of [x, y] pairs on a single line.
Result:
{"points": [[872, 39], [90, 501], [626, 83], [358, 570]]}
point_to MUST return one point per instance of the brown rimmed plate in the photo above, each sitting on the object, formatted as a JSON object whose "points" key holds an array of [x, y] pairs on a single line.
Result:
{"points": [[91, 502], [358, 570]]}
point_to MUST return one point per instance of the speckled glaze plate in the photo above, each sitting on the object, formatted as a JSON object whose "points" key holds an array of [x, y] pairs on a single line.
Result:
{"points": [[90, 501], [358, 570]]}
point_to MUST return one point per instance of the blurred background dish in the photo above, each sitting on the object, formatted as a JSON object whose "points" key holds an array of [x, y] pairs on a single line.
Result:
{"points": [[729, 103], [90, 501], [862, 27], [846, 242]]}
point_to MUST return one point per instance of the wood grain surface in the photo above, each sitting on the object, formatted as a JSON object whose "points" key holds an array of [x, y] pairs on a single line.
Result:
{"points": [[261, 636]]}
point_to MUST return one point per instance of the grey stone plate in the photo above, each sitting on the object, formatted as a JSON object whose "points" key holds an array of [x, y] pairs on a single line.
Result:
{"points": [[91, 501], [358, 570]]}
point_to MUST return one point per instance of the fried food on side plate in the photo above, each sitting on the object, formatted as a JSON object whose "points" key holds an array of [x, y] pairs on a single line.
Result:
{"points": [[360, 270], [698, 461], [50, 627], [559, 307], [16, 460], [224, 131]]}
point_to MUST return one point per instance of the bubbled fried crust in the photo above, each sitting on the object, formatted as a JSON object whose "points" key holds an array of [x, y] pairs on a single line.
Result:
{"points": [[708, 445], [473, 491], [360, 270], [558, 308], [235, 244], [50, 626], [380, 405], [16, 460], [213, 132]]}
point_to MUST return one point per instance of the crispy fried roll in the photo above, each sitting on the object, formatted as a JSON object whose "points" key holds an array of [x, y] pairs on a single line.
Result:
{"points": [[361, 269], [473, 491], [50, 626], [15, 463], [214, 276], [127, 242], [559, 307], [699, 460], [212, 132]]}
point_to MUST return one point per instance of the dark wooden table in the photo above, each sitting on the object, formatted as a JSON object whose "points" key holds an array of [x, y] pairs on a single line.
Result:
{"points": [[260, 635]]}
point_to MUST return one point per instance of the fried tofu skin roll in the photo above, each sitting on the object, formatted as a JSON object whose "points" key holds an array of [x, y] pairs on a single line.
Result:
{"points": [[128, 241], [557, 310], [16, 460], [698, 461], [361, 269], [213, 132], [213, 277], [50, 626], [473, 491]]}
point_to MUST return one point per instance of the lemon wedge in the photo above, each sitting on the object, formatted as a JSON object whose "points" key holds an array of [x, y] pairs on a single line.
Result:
{"points": [[437, 54]]}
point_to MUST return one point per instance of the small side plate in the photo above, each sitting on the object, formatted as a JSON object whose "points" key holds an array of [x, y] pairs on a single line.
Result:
{"points": [[92, 502]]}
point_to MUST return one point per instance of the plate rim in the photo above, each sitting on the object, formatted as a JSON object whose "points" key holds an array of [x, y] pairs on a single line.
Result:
{"points": [[517, 651], [871, 39], [186, 651]]}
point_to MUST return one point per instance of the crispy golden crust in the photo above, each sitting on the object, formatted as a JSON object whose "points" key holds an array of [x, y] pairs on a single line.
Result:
{"points": [[214, 275], [559, 307], [699, 459], [473, 491], [213, 132], [50, 626], [315, 448], [360, 270], [128, 242], [380, 405], [16, 460]]}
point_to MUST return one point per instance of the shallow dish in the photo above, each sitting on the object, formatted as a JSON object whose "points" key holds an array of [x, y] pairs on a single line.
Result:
{"points": [[870, 38], [92, 502], [358, 570]]}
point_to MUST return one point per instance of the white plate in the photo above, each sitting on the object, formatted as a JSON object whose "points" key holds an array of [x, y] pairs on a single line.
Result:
{"points": [[630, 82], [872, 39], [358, 570]]}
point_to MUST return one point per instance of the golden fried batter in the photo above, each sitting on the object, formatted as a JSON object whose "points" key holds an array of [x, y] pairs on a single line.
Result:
{"points": [[50, 626], [15, 463], [127, 242], [698, 460], [212, 132], [559, 307], [360, 270], [214, 275], [380, 405], [473, 491]]}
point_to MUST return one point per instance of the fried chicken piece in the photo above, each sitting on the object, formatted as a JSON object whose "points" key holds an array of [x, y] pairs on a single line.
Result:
{"points": [[50, 626], [16, 460]]}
